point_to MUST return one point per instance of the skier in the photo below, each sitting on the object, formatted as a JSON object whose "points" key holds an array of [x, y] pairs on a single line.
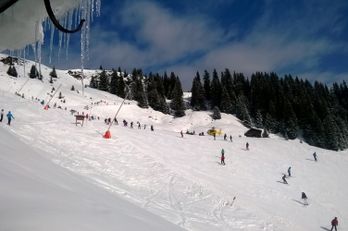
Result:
{"points": [[247, 146], [222, 157], [225, 137], [304, 198], [131, 124], [315, 156], [152, 128], [334, 224], [289, 171], [1, 115], [284, 180], [9, 117], [231, 138], [182, 134]]}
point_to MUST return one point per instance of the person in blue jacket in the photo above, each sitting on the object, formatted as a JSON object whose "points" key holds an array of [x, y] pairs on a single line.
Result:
{"points": [[9, 117]]}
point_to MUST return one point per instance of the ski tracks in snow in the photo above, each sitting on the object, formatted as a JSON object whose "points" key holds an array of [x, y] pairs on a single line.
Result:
{"points": [[126, 167]]}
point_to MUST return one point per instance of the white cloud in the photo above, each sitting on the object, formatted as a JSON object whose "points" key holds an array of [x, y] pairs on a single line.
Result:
{"points": [[163, 38]]}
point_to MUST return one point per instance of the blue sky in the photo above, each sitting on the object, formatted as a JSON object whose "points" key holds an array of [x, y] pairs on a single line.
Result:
{"points": [[304, 38]]}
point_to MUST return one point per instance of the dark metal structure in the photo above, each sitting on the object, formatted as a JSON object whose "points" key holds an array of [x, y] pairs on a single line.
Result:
{"points": [[5, 4]]}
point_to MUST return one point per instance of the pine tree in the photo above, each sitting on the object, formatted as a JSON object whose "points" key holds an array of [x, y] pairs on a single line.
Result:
{"points": [[156, 101], [242, 110], [332, 133], [197, 98], [226, 105], [216, 113], [93, 83], [113, 82], [141, 94], [12, 71], [53, 73], [215, 90], [33, 72], [103, 81], [177, 103], [121, 87], [258, 120], [206, 85]]}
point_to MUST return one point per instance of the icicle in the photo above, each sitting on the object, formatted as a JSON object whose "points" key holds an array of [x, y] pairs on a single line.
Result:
{"points": [[83, 42], [98, 7], [69, 26], [92, 9], [51, 42], [24, 61], [60, 43], [39, 56]]}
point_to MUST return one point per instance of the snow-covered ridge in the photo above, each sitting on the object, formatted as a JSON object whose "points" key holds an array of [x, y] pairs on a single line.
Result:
{"points": [[180, 179]]}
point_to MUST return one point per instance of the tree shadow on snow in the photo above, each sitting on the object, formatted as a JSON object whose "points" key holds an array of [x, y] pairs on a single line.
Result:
{"points": [[324, 228], [300, 202], [310, 159]]}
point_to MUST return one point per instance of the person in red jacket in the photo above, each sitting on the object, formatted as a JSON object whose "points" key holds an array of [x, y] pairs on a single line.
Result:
{"points": [[222, 157], [334, 224]]}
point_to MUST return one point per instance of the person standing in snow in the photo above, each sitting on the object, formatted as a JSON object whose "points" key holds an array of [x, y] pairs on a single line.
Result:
{"points": [[247, 146], [334, 224], [231, 138], [182, 134], [222, 157], [289, 171], [9, 117], [225, 137], [284, 179], [152, 128], [1, 115], [304, 198], [315, 156]]}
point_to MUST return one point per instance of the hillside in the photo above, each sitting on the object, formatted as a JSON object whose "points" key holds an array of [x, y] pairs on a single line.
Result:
{"points": [[179, 179]]}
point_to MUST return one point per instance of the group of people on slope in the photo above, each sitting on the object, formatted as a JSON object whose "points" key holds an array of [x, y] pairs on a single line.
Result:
{"points": [[8, 115]]}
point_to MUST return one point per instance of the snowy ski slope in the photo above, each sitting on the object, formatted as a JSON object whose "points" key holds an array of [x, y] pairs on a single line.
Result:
{"points": [[180, 179]]}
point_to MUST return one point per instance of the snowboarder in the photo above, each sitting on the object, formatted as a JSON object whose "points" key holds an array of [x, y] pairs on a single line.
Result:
{"points": [[225, 137], [247, 146], [284, 179], [1, 115], [231, 138], [182, 134], [334, 224], [289, 171], [315, 156], [304, 198], [222, 157], [9, 117]]}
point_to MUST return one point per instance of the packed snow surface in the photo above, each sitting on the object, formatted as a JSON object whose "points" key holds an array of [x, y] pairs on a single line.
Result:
{"points": [[178, 179]]}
